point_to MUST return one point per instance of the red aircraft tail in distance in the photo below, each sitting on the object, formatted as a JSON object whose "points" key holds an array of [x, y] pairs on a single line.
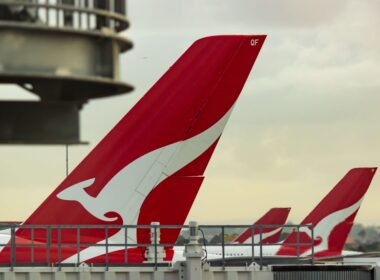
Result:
{"points": [[274, 218], [150, 166], [333, 217]]}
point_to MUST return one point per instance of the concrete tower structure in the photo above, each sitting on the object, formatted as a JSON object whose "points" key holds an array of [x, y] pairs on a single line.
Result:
{"points": [[64, 51]]}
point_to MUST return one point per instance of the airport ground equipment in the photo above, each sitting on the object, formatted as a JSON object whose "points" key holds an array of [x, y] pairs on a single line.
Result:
{"points": [[66, 52]]}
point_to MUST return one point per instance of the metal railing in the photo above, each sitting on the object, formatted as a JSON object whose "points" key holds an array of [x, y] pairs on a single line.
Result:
{"points": [[109, 245], [73, 14], [297, 246]]}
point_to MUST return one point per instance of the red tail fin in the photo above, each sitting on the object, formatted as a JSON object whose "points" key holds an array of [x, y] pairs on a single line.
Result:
{"points": [[156, 155], [333, 217], [275, 216]]}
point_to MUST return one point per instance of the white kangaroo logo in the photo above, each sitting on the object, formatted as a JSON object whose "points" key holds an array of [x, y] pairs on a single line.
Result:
{"points": [[125, 193], [325, 226]]}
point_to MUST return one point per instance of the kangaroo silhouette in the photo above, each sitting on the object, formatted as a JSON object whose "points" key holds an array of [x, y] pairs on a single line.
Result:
{"points": [[125, 193]]}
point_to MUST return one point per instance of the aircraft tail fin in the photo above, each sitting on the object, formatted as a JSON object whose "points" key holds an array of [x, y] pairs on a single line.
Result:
{"points": [[269, 235], [333, 217], [157, 154]]}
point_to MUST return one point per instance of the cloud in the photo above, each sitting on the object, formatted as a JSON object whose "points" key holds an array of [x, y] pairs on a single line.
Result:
{"points": [[210, 14]]}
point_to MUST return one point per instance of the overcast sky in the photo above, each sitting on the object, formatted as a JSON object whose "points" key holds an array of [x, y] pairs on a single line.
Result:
{"points": [[308, 113]]}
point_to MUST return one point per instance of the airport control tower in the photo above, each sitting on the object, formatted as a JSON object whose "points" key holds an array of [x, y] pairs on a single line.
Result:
{"points": [[64, 51]]}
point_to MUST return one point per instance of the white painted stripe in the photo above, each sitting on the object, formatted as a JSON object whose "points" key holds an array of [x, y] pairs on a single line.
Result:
{"points": [[265, 235]]}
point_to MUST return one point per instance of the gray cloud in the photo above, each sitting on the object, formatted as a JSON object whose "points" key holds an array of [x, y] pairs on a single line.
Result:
{"points": [[213, 13]]}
